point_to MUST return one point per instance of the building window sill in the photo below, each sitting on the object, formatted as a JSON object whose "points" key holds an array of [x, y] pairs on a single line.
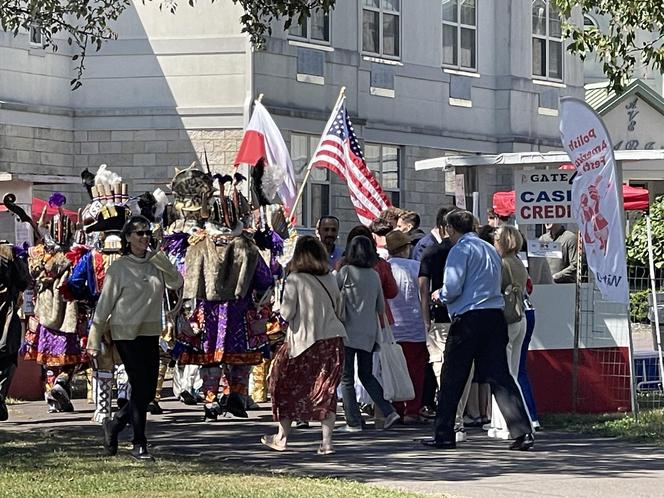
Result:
{"points": [[555, 84], [380, 60], [310, 78], [461, 72], [314, 46], [460, 102], [382, 92]]}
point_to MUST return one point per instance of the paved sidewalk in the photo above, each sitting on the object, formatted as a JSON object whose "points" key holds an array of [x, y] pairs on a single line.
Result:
{"points": [[561, 465]]}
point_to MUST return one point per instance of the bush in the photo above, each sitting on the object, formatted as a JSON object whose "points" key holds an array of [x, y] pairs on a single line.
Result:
{"points": [[638, 306], [637, 242]]}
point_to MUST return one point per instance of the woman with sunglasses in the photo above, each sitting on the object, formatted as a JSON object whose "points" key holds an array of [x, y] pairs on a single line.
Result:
{"points": [[130, 305]]}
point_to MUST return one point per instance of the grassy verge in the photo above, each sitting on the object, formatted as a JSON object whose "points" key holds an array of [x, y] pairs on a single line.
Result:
{"points": [[649, 428], [67, 465]]}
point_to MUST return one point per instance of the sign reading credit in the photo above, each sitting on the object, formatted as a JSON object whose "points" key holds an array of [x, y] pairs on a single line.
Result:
{"points": [[543, 196]]}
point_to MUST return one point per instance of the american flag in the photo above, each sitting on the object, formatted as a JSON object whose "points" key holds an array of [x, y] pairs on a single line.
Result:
{"points": [[339, 151]]}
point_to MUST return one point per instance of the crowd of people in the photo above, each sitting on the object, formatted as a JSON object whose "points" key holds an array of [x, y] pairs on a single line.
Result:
{"points": [[220, 288]]}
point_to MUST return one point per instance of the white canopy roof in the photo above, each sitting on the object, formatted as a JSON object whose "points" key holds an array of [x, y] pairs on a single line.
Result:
{"points": [[543, 159]]}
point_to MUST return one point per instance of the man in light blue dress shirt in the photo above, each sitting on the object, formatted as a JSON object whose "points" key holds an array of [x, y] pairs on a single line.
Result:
{"points": [[478, 333]]}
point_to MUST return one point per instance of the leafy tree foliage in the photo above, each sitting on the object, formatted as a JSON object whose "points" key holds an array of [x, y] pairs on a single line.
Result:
{"points": [[637, 243], [86, 23], [617, 48]]}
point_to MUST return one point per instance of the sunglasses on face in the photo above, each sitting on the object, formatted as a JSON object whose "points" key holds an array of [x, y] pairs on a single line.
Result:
{"points": [[143, 233]]}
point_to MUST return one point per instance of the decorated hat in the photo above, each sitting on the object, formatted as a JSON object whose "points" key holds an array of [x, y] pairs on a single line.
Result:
{"points": [[111, 217]]}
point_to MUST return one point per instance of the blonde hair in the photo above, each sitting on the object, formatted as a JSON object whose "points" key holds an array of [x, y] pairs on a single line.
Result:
{"points": [[509, 239]]}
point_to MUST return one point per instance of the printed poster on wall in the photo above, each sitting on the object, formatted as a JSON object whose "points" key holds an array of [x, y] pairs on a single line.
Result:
{"points": [[595, 201]]}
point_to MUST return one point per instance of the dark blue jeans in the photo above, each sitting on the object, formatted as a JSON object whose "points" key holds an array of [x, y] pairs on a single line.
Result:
{"points": [[373, 387], [524, 382]]}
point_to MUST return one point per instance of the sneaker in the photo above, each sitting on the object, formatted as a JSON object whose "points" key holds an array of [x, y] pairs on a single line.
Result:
{"points": [[460, 436], [427, 412], [390, 420], [349, 428]]}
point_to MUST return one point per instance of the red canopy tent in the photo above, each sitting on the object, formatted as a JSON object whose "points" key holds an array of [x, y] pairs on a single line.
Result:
{"points": [[38, 205], [635, 199]]}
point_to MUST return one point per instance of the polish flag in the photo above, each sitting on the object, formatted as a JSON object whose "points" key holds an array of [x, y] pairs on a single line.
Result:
{"points": [[262, 140]]}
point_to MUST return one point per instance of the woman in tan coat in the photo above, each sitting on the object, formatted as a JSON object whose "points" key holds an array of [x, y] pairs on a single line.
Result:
{"points": [[307, 368]]}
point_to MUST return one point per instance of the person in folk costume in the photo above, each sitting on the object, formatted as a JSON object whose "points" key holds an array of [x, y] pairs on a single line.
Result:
{"points": [[224, 273], [14, 279], [56, 333], [98, 245]]}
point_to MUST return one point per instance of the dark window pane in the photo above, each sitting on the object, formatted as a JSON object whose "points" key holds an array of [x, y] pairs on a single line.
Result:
{"points": [[299, 30], [554, 23], [467, 52], [539, 57], [467, 14], [539, 17], [390, 34], [320, 25], [299, 154], [320, 201], [449, 44], [390, 174], [372, 3], [450, 10], [395, 197], [555, 60], [370, 21]]}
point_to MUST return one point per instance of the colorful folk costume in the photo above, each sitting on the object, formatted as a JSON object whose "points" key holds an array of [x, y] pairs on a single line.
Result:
{"points": [[14, 279], [55, 335], [224, 273]]}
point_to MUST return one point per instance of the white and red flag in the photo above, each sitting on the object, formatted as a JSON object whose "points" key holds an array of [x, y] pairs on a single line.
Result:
{"points": [[595, 196], [339, 151], [262, 140]]}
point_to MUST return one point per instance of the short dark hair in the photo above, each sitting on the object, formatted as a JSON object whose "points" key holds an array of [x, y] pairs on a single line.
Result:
{"points": [[411, 217], [462, 221], [441, 220], [328, 217], [130, 226], [381, 227], [487, 233], [358, 230], [361, 252], [309, 256]]}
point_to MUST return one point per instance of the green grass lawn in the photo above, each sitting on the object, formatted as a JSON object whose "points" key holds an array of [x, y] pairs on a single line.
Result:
{"points": [[649, 428], [65, 465]]}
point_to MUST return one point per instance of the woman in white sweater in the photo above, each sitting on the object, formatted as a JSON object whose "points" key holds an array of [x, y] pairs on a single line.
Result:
{"points": [[130, 306], [307, 368]]}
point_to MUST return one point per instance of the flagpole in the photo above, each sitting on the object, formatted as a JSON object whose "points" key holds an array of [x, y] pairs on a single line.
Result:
{"points": [[342, 95]]}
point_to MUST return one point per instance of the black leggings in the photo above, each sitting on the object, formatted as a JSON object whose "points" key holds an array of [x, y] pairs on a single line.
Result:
{"points": [[141, 361]]}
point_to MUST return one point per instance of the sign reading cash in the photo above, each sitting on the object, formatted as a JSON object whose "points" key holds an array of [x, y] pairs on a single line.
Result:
{"points": [[543, 196]]}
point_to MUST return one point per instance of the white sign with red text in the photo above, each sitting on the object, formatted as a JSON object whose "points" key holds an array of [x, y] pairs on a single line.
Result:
{"points": [[543, 196], [595, 201]]}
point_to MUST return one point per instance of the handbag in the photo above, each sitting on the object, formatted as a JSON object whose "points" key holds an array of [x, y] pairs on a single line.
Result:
{"points": [[257, 319], [513, 295], [397, 385]]}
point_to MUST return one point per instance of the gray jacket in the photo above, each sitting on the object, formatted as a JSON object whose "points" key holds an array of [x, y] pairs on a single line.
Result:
{"points": [[364, 301], [563, 270]]}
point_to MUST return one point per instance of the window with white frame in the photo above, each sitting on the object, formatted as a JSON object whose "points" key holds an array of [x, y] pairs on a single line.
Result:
{"points": [[460, 34], [36, 36], [547, 41], [316, 196], [314, 29], [385, 162], [380, 27]]}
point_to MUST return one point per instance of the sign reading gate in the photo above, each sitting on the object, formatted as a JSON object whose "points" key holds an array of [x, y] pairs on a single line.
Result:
{"points": [[543, 196]]}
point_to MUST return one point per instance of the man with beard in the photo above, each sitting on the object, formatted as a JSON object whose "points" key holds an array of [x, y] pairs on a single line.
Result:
{"points": [[327, 231]]}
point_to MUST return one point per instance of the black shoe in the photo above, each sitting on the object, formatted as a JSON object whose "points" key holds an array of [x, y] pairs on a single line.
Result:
{"points": [[110, 437], [121, 402], [235, 405], [523, 443], [154, 408], [141, 453], [301, 424], [61, 397], [4, 413], [187, 398], [440, 445], [211, 411]]}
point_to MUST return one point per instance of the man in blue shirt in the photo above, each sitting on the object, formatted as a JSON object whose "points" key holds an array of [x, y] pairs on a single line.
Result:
{"points": [[471, 291], [327, 231]]}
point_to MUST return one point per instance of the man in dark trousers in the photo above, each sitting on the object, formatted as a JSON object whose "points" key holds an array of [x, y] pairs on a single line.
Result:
{"points": [[471, 291], [14, 279]]}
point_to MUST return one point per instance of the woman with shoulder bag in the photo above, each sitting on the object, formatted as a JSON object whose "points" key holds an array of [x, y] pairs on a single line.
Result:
{"points": [[364, 302], [307, 367], [508, 242]]}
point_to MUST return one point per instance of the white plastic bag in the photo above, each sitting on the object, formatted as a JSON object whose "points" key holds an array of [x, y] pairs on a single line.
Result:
{"points": [[397, 385]]}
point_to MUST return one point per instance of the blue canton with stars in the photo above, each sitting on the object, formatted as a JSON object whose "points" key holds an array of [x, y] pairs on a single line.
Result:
{"points": [[342, 127]]}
